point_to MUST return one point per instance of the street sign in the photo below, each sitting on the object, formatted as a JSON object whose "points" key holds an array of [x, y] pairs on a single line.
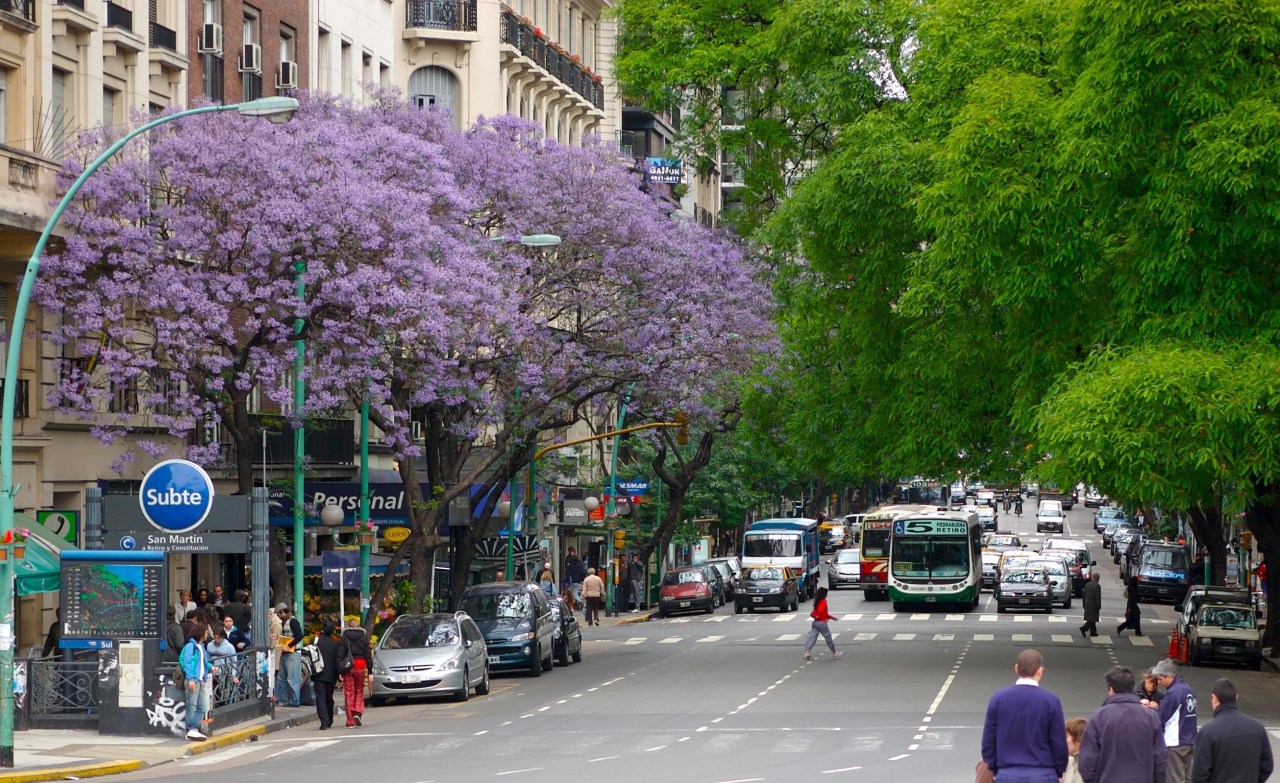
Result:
{"points": [[341, 565], [196, 541], [396, 535], [176, 496]]}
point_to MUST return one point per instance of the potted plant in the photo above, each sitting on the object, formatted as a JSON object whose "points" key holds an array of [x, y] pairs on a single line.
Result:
{"points": [[366, 532], [16, 540]]}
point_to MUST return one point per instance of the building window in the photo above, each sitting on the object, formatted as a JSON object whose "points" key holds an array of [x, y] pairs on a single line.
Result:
{"points": [[346, 76], [60, 119], [4, 105], [110, 105], [287, 53], [433, 87], [252, 84], [366, 69], [212, 77], [251, 31], [213, 11], [124, 397], [384, 74], [4, 311], [324, 61]]}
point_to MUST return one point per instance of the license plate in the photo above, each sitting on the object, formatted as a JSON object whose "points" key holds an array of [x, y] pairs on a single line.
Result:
{"points": [[683, 604], [407, 678], [756, 599], [1163, 591], [494, 658], [1228, 650], [1024, 600], [929, 599]]}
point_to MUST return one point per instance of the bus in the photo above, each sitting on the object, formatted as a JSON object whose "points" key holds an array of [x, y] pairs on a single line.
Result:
{"points": [[874, 557], [791, 542], [935, 558]]}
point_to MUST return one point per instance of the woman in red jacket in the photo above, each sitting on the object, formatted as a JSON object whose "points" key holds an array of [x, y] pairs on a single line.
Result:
{"points": [[820, 617]]}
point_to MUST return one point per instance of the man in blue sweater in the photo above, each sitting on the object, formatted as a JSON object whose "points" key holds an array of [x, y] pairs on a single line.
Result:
{"points": [[1024, 738], [1178, 715]]}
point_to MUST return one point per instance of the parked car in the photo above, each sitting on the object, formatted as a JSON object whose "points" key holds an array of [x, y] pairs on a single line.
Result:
{"points": [[768, 586], [567, 644], [686, 589], [1226, 632], [727, 582], [1059, 576], [1103, 515], [428, 655], [1093, 498], [1083, 570], [515, 618], [1198, 595], [1120, 542], [716, 578], [1161, 572], [989, 562], [845, 569], [1110, 529], [735, 568], [1129, 556], [1024, 588]]}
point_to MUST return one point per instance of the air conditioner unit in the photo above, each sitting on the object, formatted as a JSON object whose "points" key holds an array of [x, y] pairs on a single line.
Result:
{"points": [[210, 39], [251, 60], [415, 430], [287, 76]]}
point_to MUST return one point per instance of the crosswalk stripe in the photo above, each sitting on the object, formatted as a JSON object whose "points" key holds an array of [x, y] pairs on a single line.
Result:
{"points": [[903, 637], [719, 619], [1064, 637], [782, 618], [988, 618], [1022, 637], [788, 637], [920, 616], [710, 639], [671, 640], [984, 637], [887, 616], [851, 618], [955, 617], [943, 637], [1141, 641], [681, 620], [864, 637], [1022, 618], [1057, 618], [635, 640], [1102, 639]]}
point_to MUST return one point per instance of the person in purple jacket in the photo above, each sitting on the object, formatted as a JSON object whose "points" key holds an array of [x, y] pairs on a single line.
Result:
{"points": [[1123, 741], [1024, 737], [1178, 714]]}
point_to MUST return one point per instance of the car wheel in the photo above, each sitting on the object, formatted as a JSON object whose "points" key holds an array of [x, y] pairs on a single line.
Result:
{"points": [[562, 656], [737, 608], [1048, 609], [483, 688], [899, 606], [1194, 657], [1067, 605], [375, 701], [711, 607], [662, 614], [535, 662], [549, 661], [465, 693], [577, 654], [1256, 665], [999, 609]]}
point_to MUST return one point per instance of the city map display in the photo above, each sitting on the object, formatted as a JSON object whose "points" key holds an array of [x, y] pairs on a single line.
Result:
{"points": [[105, 600]]}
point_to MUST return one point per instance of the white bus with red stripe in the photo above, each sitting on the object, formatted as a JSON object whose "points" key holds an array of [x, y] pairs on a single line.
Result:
{"points": [[876, 530]]}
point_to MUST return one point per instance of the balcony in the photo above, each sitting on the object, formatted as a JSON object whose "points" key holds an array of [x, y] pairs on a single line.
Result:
{"points": [[440, 20], [69, 17], [118, 36], [563, 67], [163, 38], [328, 441], [22, 399], [22, 9], [119, 16]]}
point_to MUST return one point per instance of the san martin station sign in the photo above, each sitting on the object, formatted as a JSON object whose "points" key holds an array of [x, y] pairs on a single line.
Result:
{"points": [[177, 510]]}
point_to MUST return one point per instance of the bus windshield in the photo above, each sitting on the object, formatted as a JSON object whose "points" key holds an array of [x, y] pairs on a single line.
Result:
{"points": [[924, 558], [771, 545], [875, 543]]}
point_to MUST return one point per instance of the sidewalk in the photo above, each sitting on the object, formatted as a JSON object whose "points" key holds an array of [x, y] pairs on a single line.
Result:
{"points": [[48, 754]]}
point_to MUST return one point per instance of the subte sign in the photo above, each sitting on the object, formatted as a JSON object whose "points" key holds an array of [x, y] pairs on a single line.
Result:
{"points": [[176, 496]]}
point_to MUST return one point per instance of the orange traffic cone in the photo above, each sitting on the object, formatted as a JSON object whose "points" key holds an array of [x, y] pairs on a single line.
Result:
{"points": [[1173, 645]]}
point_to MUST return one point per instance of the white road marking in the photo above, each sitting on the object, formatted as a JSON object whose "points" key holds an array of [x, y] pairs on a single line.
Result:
{"points": [[743, 780], [516, 771], [919, 617], [937, 700], [710, 639], [842, 769], [913, 747], [605, 758], [782, 618], [1064, 638], [1022, 637], [887, 616], [544, 709], [679, 620], [950, 618], [788, 637], [1022, 618], [900, 758], [903, 637], [864, 637], [218, 758], [683, 739], [486, 731], [988, 618], [671, 640], [1103, 639], [635, 640], [1057, 618], [748, 619], [650, 750], [719, 619], [851, 618], [1141, 641], [943, 637], [984, 637]]}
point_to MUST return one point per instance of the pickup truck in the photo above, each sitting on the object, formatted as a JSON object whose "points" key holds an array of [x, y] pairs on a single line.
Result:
{"points": [[1226, 632], [1068, 498]]}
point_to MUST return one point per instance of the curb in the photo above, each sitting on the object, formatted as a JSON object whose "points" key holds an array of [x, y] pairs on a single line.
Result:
{"points": [[73, 772], [223, 740], [640, 618]]}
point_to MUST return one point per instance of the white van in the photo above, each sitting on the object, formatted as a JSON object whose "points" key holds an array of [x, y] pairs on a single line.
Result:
{"points": [[1050, 518]]}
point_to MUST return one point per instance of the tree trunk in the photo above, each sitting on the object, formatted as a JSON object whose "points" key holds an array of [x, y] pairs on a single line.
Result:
{"points": [[1263, 515], [1206, 523]]}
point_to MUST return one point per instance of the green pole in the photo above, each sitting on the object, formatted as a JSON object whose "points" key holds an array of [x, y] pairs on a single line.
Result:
{"points": [[364, 505], [12, 369], [610, 507], [530, 501], [299, 446], [511, 504]]}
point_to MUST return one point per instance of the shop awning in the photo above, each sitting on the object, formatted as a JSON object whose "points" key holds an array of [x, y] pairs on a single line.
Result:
{"points": [[40, 571]]}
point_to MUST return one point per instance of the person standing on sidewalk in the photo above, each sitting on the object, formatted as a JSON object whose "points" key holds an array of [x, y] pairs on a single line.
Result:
{"points": [[1132, 612], [196, 669], [290, 679], [325, 680], [1092, 606], [1233, 747], [592, 593], [356, 640], [1178, 715], [1024, 736], [574, 573], [820, 617], [635, 573], [1122, 742]]}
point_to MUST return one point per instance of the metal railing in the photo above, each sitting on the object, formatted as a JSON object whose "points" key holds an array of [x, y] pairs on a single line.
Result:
{"points": [[569, 71], [163, 38], [24, 8], [22, 402], [62, 690], [235, 678], [73, 3], [119, 16], [459, 15]]}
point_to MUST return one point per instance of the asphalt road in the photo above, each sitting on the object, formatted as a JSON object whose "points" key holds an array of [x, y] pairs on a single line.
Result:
{"points": [[720, 698]]}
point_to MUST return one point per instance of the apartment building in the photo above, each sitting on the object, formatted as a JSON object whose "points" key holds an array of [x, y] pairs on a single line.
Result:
{"points": [[244, 51], [353, 45]]}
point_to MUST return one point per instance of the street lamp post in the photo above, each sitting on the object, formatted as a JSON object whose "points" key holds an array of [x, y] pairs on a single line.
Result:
{"points": [[275, 109]]}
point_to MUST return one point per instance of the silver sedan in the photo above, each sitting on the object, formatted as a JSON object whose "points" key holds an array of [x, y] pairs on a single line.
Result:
{"points": [[1059, 578], [430, 654]]}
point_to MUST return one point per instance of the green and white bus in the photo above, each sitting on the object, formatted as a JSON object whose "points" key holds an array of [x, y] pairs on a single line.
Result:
{"points": [[935, 559]]}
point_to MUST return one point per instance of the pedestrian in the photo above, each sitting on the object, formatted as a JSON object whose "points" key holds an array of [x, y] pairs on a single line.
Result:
{"points": [[1141, 519], [174, 638], [547, 580], [202, 597], [355, 640], [1122, 742], [1233, 747], [1132, 612], [274, 626], [234, 635], [184, 604], [218, 600], [1075, 733], [574, 572], [189, 622], [635, 573], [1148, 691], [289, 684], [1178, 716], [1024, 738], [592, 592], [820, 617], [325, 680], [196, 669], [53, 639], [1261, 571], [1092, 606], [239, 612]]}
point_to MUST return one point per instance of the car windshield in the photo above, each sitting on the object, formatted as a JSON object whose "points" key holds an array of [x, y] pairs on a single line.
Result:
{"points": [[1004, 541], [1110, 513], [762, 574], [409, 633], [771, 545], [1224, 617], [1052, 566], [847, 556], [683, 577], [1171, 559], [1024, 576], [513, 604]]}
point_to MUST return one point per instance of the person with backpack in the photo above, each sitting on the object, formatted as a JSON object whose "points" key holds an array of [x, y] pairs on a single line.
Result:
{"points": [[324, 674], [196, 669], [820, 617], [354, 664]]}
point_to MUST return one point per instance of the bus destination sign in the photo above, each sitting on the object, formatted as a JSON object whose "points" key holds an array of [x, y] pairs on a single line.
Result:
{"points": [[937, 527]]}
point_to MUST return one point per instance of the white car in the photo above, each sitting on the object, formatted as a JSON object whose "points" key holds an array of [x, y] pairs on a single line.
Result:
{"points": [[987, 517], [986, 498]]}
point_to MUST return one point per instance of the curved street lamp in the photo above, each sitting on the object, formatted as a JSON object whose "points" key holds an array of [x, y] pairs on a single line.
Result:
{"points": [[276, 109]]}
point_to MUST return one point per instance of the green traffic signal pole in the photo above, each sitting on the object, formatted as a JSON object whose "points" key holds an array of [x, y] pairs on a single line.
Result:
{"points": [[364, 508], [275, 109], [299, 447]]}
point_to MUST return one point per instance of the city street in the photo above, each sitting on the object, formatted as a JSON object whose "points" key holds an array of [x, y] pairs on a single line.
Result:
{"points": [[712, 699]]}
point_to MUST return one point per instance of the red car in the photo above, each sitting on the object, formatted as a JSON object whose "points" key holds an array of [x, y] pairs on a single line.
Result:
{"points": [[685, 589]]}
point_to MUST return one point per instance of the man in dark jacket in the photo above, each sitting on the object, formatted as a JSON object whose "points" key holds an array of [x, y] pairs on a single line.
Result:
{"points": [[1122, 742], [174, 639], [575, 571], [1178, 715], [1233, 747], [324, 680], [1092, 595], [1024, 737]]}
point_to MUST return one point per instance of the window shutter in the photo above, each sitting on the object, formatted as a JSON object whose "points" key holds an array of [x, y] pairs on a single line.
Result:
{"points": [[435, 81]]}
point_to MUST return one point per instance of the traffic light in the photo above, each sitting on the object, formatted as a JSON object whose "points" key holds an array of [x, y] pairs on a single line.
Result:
{"points": [[682, 432], [619, 539]]}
